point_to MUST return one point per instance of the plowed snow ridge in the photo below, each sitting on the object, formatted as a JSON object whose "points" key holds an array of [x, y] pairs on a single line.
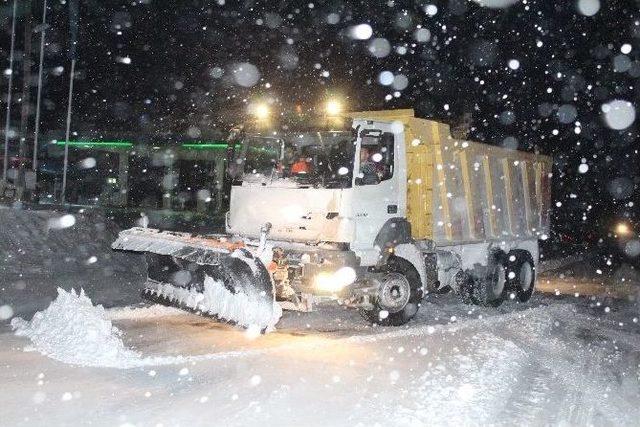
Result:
{"points": [[75, 331]]}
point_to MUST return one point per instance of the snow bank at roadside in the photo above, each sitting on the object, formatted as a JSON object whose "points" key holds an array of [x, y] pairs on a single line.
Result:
{"points": [[73, 330]]}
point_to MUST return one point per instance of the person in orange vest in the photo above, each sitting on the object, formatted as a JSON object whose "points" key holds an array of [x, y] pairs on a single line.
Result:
{"points": [[301, 166]]}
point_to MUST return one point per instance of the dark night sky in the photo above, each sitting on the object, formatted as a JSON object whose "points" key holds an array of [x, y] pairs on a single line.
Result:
{"points": [[182, 55]]}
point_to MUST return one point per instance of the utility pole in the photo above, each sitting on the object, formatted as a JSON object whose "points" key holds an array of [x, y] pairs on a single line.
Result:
{"points": [[26, 83], [8, 120], [73, 29], [43, 28], [26, 99], [65, 165]]}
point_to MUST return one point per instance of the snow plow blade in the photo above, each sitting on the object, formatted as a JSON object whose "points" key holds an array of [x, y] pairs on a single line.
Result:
{"points": [[210, 275]]}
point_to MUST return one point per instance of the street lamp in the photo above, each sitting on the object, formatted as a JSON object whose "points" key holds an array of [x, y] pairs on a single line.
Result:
{"points": [[333, 108], [260, 111], [623, 229]]}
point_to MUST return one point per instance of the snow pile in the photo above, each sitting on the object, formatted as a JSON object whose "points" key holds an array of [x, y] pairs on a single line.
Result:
{"points": [[73, 330]]}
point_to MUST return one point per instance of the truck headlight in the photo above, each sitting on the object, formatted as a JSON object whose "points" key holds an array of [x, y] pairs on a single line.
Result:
{"points": [[335, 281]]}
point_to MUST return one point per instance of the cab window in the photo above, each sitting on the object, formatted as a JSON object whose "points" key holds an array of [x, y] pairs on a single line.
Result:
{"points": [[376, 157]]}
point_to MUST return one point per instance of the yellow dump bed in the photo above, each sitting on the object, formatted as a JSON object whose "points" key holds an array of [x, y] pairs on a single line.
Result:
{"points": [[464, 191]]}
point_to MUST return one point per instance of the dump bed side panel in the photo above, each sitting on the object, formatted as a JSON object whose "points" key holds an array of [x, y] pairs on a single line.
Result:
{"points": [[455, 203], [483, 192]]}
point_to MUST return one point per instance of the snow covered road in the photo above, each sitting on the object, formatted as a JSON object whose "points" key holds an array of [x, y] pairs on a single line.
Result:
{"points": [[553, 361], [556, 360]]}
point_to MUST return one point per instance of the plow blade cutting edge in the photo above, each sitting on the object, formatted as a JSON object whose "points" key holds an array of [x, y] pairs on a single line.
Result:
{"points": [[205, 274]]}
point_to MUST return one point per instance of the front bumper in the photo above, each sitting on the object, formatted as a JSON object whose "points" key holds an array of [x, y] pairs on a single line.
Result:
{"points": [[311, 269]]}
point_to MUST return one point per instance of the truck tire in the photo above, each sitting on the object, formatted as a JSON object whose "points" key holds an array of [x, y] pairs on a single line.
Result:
{"points": [[521, 274], [464, 284], [491, 290], [405, 281]]}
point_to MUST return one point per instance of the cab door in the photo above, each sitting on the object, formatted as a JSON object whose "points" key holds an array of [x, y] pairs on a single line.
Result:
{"points": [[379, 184]]}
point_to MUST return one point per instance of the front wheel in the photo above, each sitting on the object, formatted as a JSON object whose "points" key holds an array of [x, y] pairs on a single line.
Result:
{"points": [[399, 294]]}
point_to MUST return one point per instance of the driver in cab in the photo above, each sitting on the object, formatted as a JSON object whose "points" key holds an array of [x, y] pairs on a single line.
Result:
{"points": [[370, 167], [301, 166]]}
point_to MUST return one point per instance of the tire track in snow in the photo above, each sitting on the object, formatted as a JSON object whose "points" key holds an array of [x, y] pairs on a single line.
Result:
{"points": [[467, 389], [470, 380], [589, 398], [529, 404], [533, 373]]}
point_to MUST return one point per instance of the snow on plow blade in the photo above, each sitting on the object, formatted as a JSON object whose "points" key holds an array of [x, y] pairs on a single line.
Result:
{"points": [[206, 274]]}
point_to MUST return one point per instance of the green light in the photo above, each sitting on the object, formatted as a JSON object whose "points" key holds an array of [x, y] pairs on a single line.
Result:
{"points": [[205, 145], [91, 144]]}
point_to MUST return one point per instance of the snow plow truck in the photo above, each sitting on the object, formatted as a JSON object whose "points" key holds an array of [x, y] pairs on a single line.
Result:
{"points": [[373, 213]]}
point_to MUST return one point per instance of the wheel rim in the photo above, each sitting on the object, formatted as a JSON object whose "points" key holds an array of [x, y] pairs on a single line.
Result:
{"points": [[498, 282], [394, 292], [526, 276]]}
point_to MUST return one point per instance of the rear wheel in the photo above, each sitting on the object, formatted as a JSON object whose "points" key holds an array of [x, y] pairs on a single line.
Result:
{"points": [[399, 294], [465, 283], [491, 290], [521, 274]]}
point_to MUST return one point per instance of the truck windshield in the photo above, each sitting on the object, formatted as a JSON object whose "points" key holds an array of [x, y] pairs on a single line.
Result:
{"points": [[300, 159]]}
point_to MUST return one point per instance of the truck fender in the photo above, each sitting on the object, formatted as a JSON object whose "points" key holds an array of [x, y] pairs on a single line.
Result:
{"points": [[394, 232], [412, 254]]}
